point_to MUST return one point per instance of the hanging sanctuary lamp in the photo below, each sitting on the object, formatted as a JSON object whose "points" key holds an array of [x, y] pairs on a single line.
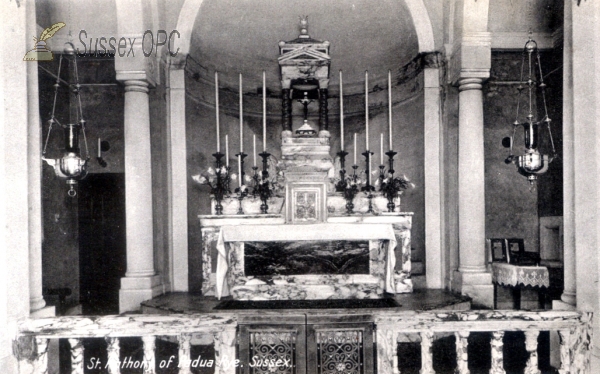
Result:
{"points": [[532, 163], [72, 166]]}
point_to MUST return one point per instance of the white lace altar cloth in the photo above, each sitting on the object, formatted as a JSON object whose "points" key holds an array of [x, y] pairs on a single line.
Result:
{"points": [[513, 275], [318, 231]]}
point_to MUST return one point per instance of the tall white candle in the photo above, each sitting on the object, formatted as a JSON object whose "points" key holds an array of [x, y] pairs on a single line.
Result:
{"points": [[227, 150], [390, 106], [254, 149], [241, 118], [217, 110], [354, 148], [264, 92], [99, 147], [367, 109], [381, 146], [341, 112]]}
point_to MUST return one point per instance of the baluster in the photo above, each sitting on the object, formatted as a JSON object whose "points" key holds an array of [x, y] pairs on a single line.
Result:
{"points": [[76, 356], [497, 354], [41, 360], [387, 350], [531, 344], [394, 342], [184, 353], [462, 355], [113, 352], [565, 354], [149, 357], [225, 351], [426, 352]]}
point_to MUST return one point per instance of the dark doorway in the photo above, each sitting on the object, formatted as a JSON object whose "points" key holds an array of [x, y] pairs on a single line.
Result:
{"points": [[102, 256]]}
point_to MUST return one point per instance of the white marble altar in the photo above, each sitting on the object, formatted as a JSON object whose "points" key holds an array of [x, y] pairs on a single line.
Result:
{"points": [[392, 277], [230, 263]]}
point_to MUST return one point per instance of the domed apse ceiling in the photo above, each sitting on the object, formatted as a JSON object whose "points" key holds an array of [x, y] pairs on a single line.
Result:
{"points": [[234, 36]]}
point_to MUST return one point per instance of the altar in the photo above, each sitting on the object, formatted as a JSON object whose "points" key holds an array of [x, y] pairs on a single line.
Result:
{"points": [[384, 239], [312, 228]]}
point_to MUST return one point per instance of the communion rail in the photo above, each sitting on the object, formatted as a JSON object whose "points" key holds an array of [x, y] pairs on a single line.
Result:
{"points": [[574, 329]]}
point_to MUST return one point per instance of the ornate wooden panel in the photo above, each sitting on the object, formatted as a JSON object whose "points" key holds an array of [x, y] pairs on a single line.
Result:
{"points": [[272, 348]]}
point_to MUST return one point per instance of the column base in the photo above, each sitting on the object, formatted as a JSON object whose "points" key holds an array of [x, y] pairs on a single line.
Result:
{"points": [[477, 286], [135, 290], [47, 311]]}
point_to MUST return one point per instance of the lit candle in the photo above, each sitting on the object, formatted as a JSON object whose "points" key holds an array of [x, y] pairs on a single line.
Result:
{"points": [[254, 149], [381, 146], [367, 109], [227, 150], [99, 147], [241, 118], [217, 110], [341, 112], [354, 148], [390, 106], [264, 89]]}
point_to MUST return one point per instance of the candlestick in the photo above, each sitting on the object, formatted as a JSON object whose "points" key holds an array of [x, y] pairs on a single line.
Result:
{"points": [[240, 179], [369, 170], [367, 109], [368, 189], [355, 149], [341, 112], [254, 149], [389, 109], [227, 150], [217, 110], [241, 117], [264, 93], [381, 150]]}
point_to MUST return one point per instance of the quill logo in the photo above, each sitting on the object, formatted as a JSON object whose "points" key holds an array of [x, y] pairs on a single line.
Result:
{"points": [[41, 52]]}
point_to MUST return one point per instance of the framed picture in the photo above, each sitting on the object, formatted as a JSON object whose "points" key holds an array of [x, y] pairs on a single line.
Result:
{"points": [[516, 250], [498, 250]]}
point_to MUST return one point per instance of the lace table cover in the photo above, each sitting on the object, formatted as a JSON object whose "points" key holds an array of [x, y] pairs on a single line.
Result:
{"points": [[512, 275]]}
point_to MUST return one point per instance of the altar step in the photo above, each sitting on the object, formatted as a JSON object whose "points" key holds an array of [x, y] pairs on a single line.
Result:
{"points": [[419, 300]]}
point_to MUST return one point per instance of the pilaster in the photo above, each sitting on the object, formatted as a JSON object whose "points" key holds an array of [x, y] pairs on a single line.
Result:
{"points": [[177, 155]]}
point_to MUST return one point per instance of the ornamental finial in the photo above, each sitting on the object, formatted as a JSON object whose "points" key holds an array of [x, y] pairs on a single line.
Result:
{"points": [[304, 27]]}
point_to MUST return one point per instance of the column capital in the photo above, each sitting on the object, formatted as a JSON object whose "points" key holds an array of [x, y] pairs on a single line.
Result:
{"points": [[136, 85]]}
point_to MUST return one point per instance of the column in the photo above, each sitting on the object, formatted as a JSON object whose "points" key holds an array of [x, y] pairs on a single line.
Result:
{"points": [[140, 282], [472, 278], [177, 150], [34, 188], [323, 112], [569, 291], [286, 110], [434, 256]]}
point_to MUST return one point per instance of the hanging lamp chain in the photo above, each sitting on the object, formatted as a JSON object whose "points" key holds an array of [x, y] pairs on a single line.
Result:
{"points": [[53, 119], [80, 108]]}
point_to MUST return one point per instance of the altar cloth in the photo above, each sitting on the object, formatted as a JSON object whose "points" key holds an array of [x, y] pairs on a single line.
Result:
{"points": [[319, 231], [513, 275]]}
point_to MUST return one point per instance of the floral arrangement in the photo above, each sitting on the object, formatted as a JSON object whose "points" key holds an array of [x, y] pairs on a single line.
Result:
{"points": [[349, 185], [218, 180], [392, 187]]}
